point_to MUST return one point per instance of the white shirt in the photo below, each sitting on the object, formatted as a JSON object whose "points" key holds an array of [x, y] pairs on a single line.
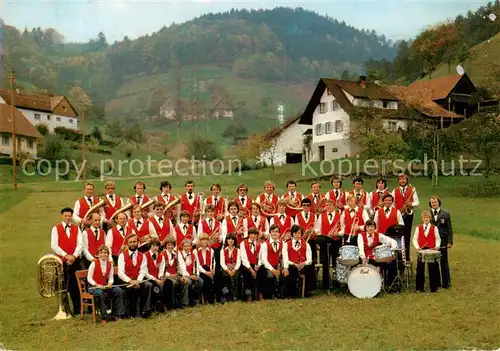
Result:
{"points": [[54, 242], [224, 226], [85, 247], [415, 201], [287, 263], [347, 212], [427, 229], [204, 255], [263, 253], [182, 265], [152, 230], [281, 219], [383, 239], [223, 263], [143, 271], [258, 223], [90, 274], [387, 214], [109, 235], [77, 216], [160, 266], [319, 224], [244, 257], [342, 196]]}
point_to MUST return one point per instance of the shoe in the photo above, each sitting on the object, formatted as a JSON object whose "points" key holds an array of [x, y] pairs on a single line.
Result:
{"points": [[146, 314]]}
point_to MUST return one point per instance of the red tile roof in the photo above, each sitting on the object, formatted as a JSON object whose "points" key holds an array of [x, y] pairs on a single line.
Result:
{"points": [[436, 88], [23, 126]]}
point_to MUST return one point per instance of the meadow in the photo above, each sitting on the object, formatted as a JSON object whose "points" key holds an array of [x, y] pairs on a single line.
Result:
{"points": [[463, 317]]}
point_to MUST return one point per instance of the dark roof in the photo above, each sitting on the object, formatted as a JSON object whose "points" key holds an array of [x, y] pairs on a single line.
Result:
{"points": [[23, 126], [277, 130], [222, 103]]}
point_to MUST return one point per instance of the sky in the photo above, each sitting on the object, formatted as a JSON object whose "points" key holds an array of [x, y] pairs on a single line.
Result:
{"points": [[81, 20]]}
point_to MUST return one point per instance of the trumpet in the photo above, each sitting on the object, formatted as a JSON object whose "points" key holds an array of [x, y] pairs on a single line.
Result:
{"points": [[335, 230], [214, 237], [197, 212], [407, 209], [309, 231], [354, 224]]}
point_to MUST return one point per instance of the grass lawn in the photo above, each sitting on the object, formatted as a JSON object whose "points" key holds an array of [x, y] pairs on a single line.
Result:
{"points": [[463, 317]]}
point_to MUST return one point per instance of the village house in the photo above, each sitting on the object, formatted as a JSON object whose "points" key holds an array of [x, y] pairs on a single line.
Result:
{"points": [[54, 111], [222, 109], [26, 133]]}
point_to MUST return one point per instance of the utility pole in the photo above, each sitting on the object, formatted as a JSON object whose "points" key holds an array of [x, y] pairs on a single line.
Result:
{"points": [[14, 138], [83, 142]]}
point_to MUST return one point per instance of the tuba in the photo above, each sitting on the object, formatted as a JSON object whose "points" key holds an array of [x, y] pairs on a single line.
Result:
{"points": [[91, 210], [169, 212], [51, 283], [121, 210]]}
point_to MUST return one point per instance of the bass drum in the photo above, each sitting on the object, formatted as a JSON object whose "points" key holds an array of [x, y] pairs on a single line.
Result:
{"points": [[365, 281]]}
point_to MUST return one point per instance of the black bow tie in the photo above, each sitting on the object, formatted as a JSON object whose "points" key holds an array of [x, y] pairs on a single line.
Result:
{"points": [[154, 256], [111, 197], [330, 215], [67, 227], [425, 227], [282, 217], [96, 232], [190, 197], [336, 193], [185, 226], [210, 221], [435, 212], [139, 199], [255, 219], [234, 219], [138, 223], [387, 210], [160, 219], [122, 230], [275, 244], [351, 211], [306, 215]]}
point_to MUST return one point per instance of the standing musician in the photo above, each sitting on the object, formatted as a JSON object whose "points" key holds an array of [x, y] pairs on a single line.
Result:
{"points": [[190, 203], [66, 242], [116, 237], [184, 230], [283, 221], [113, 203], [156, 270], [132, 269], [83, 204], [100, 279], [442, 220], [205, 258], [297, 260], [162, 225], [354, 218], [250, 248], [230, 262], [315, 197], [141, 226], [293, 198], [188, 270], [216, 200], [337, 194], [233, 223], [93, 237], [362, 198], [405, 199], [139, 198], [166, 197], [270, 257], [268, 200], [258, 221], [172, 282], [377, 195], [244, 202], [387, 216], [427, 237]]}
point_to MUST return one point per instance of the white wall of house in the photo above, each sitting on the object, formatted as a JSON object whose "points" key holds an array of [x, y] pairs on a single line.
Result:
{"points": [[167, 113], [289, 141], [2, 101], [24, 144], [52, 121], [223, 114]]}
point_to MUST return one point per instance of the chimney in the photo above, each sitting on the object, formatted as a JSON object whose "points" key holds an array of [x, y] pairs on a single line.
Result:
{"points": [[362, 81]]}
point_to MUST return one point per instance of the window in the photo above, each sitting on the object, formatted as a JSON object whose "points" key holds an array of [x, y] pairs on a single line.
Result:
{"points": [[30, 144], [328, 92], [5, 140], [393, 126], [335, 149], [37, 116], [70, 120], [49, 117], [335, 105], [58, 119], [339, 126], [318, 129], [385, 104], [328, 127], [322, 107]]}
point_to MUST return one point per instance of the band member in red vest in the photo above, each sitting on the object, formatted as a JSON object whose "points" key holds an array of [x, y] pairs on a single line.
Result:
{"points": [[307, 220], [270, 257], [184, 230], [268, 200], [188, 270], [283, 221], [190, 202], [297, 261], [293, 199], [140, 197], [66, 242], [426, 236], [162, 225], [442, 220], [362, 198], [156, 270], [83, 204], [337, 194], [166, 197], [93, 238], [142, 227], [132, 269], [405, 200], [250, 263], [368, 241], [377, 195], [205, 259], [387, 216], [113, 203], [100, 280], [233, 223], [116, 237], [243, 200], [256, 220], [216, 200], [230, 262], [354, 218], [316, 198], [173, 284]]}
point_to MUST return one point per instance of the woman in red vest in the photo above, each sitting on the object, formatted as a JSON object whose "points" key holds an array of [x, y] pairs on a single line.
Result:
{"points": [[230, 262], [427, 237]]}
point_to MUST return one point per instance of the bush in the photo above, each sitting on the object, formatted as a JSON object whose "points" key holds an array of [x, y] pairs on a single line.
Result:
{"points": [[55, 148], [68, 134], [201, 147], [486, 189], [95, 171], [43, 129], [96, 133]]}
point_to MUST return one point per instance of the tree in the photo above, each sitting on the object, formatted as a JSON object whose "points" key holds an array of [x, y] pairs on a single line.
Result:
{"points": [[259, 147], [345, 75], [200, 147], [96, 133], [235, 132], [178, 93]]}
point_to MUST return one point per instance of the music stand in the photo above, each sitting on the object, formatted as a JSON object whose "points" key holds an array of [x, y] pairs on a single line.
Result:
{"points": [[396, 232]]}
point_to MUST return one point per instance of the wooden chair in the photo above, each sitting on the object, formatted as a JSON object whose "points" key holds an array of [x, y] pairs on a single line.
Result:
{"points": [[86, 298]]}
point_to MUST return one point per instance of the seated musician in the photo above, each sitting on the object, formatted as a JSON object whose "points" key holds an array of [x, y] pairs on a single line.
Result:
{"points": [[377, 196], [315, 197], [230, 262], [205, 257], [116, 237], [93, 238], [156, 270], [100, 280], [162, 225], [336, 193], [244, 202], [188, 270], [184, 230], [139, 198], [387, 215], [250, 249], [66, 242], [293, 198], [113, 203], [297, 261], [141, 226], [216, 200], [233, 223], [368, 241], [172, 282], [83, 204], [283, 221], [270, 257], [259, 221], [426, 236], [132, 269]]}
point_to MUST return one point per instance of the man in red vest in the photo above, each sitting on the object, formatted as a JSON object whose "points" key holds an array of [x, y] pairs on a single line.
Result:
{"points": [[66, 242], [387, 216], [113, 203], [270, 253], [427, 237], [250, 262], [83, 204], [93, 238]]}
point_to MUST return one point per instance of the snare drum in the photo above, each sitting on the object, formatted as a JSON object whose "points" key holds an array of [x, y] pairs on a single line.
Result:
{"points": [[349, 255], [429, 256], [383, 254], [342, 272], [365, 281]]}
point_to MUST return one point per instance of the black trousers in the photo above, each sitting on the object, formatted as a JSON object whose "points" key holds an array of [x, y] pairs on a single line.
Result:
{"points": [[434, 275], [445, 268], [269, 284], [171, 288], [250, 284], [328, 251], [116, 296], [230, 286], [71, 284], [218, 275], [408, 219], [141, 296], [291, 283], [207, 289]]}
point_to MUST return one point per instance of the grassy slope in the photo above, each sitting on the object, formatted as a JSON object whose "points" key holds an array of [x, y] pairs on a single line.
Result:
{"points": [[446, 317]]}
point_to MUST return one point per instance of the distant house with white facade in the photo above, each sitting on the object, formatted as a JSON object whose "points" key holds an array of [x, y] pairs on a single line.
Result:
{"points": [[26, 133], [54, 111], [287, 143], [222, 108], [167, 110]]}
